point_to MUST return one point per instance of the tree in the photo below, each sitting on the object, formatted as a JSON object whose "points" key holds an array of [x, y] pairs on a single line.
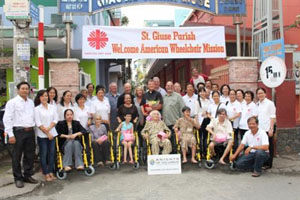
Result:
{"points": [[124, 21]]}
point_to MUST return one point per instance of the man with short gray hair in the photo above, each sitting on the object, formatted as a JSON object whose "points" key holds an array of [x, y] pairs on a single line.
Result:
{"points": [[157, 86]]}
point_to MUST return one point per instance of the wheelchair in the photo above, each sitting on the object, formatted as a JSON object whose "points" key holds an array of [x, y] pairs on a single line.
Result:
{"points": [[198, 146], [88, 157], [146, 148], [211, 161], [118, 155]]}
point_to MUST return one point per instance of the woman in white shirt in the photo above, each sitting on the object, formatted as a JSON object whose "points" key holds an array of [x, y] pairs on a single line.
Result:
{"points": [[82, 112], [65, 103], [201, 107], [249, 109], [215, 106], [101, 107], [240, 96], [224, 90], [45, 119], [266, 113], [52, 97], [233, 108]]}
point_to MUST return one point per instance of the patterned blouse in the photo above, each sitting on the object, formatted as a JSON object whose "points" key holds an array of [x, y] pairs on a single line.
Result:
{"points": [[153, 128], [185, 126]]}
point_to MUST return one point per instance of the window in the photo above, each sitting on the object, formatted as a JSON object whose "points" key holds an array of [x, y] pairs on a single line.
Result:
{"points": [[231, 49], [56, 19]]}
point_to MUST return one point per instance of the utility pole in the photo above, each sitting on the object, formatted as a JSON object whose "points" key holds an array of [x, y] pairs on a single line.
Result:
{"points": [[68, 21], [17, 11], [237, 22]]}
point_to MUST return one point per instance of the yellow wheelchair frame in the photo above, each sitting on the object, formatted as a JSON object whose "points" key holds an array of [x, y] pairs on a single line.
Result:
{"points": [[209, 163], [198, 149], [116, 161], [89, 169]]}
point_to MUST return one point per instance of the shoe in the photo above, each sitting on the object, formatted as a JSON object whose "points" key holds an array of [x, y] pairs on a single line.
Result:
{"points": [[48, 178], [256, 174], [100, 164], [19, 184], [30, 180]]}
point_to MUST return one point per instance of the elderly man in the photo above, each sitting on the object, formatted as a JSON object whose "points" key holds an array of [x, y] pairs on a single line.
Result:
{"points": [[173, 104], [157, 86], [257, 152], [190, 98], [113, 96], [127, 90], [19, 125]]}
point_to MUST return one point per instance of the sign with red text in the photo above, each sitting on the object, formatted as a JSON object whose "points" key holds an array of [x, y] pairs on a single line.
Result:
{"points": [[104, 42]]}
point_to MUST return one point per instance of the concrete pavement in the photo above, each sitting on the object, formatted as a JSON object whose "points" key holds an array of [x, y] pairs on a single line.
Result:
{"points": [[128, 183]]}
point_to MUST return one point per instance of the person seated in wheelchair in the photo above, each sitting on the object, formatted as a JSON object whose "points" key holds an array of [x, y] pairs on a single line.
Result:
{"points": [[184, 129], [69, 132], [221, 134], [127, 137], [100, 142], [158, 134]]}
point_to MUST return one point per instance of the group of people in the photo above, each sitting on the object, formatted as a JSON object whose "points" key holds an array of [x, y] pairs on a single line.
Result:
{"points": [[158, 115]]}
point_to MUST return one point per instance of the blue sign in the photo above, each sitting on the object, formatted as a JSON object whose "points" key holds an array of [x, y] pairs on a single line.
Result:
{"points": [[205, 5], [273, 48], [34, 11], [74, 6], [231, 7]]}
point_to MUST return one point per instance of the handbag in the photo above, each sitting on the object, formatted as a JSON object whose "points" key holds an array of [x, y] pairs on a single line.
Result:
{"points": [[128, 135]]}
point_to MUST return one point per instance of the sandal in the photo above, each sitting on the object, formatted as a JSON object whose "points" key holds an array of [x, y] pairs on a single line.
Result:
{"points": [[100, 164], [48, 178], [131, 162], [52, 176], [194, 161], [67, 169], [80, 168]]}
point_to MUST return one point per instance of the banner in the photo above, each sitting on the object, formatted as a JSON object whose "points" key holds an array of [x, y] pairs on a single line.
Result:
{"points": [[104, 42]]}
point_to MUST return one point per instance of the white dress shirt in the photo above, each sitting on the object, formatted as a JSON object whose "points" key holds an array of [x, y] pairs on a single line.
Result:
{"points": [[190, 102], [82, 115], [201, 112], [259, 139], [101, 107], [212, 109], [265, 111], [162, 91], [224, 99], [61, 110], [248, 110], [45, 116], [232, 110], [18, 113]]}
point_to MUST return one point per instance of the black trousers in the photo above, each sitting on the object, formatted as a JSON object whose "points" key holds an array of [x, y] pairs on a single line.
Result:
{"points": [[173, 139], [269, 162], [203, 136], [25, 145], [101, 152]]}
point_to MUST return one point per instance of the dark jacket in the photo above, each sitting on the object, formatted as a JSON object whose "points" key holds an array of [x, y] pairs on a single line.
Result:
{"points": [[62, 128]]}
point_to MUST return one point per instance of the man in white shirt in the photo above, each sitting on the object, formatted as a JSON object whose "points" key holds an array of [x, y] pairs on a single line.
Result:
{"points": [[257, 152], [162, 91], [190, 98], [19, 123]]}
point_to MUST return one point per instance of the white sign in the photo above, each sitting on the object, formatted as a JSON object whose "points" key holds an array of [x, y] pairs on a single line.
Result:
{"points": [[16, 9], [273, 72], [105, 42], [23, 49], [164, 164]]}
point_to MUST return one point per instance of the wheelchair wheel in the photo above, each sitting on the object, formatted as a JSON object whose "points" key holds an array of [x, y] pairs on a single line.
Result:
{"points": [[136, 165], [89, 171], [232, 166], [117, 165], [61, 175], [209, 164], [112, 166], [199, 164]]}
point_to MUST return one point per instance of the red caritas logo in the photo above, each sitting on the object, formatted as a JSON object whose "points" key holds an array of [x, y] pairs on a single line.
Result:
{"points": [[97, 39]]}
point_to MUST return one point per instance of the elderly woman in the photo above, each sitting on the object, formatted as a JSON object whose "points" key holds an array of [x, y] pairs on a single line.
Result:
{"points": [[221, 133], [186, 126], [154, 131], [70, 131]]}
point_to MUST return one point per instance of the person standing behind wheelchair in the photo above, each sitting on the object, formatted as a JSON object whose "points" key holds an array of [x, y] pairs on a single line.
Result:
{"points": [[45, 118], [19, 123], [69, 131], [173, 104]]}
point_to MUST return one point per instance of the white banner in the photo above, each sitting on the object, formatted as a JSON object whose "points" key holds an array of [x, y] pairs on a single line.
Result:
{"points": [[164, 164], [106, 42]]}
